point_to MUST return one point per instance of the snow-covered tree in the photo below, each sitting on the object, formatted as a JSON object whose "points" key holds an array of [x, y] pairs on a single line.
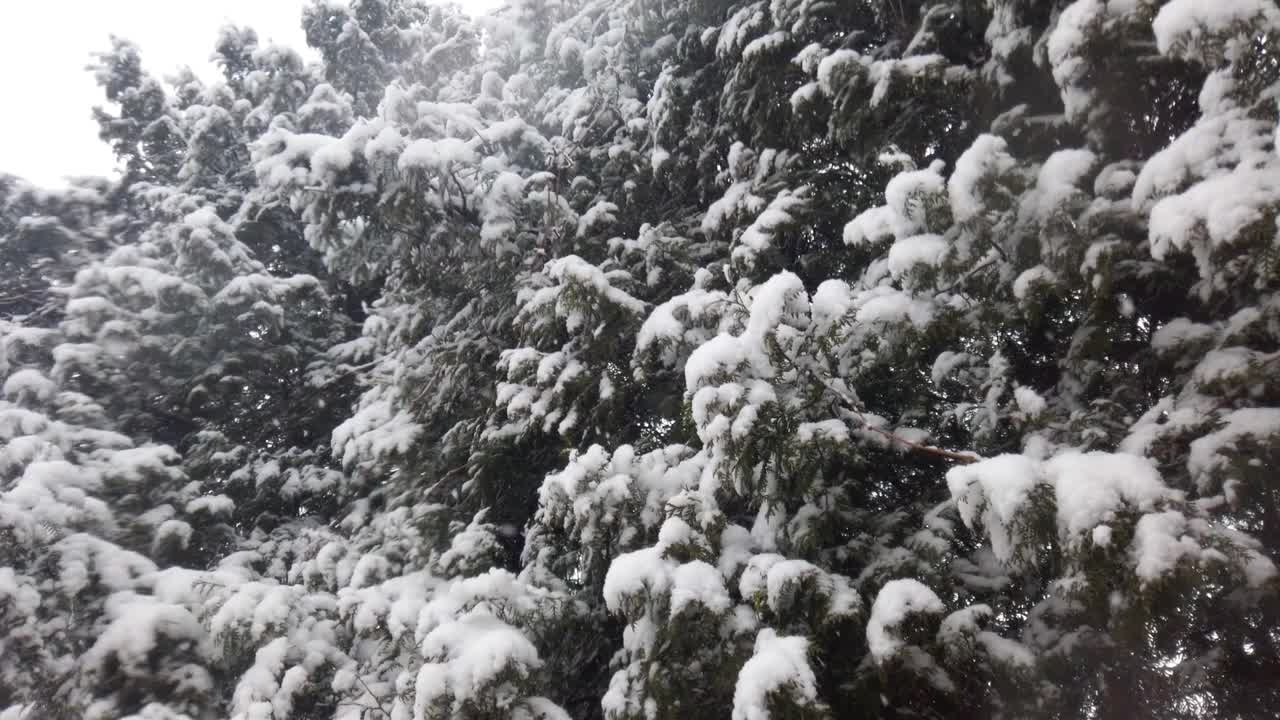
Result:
{"points": [[595, 359]]}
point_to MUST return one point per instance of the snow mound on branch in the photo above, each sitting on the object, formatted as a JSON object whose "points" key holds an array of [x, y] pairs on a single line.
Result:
{"points": [[1212, 147], [782, 297], [1212, 213], [1209, 453], [895, 601], [634, 573], [437, 156], [698, 583], [987, 157], [907, 253], [29, 383], [1183, 27], [963, 624], [1179, 332], [1029, 401], [473, 653], [1026, 281], [779, 664], [1160, 542], [998, 487], [1061, 176], [908, 198], [1088, 489]]}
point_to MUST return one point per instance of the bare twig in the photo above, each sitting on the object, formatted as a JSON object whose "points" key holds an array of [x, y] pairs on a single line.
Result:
{"points": [[381, 708]]}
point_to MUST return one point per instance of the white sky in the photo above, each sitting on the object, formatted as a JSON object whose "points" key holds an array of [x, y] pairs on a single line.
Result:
{"points": [[46, 130], [46, 96]]}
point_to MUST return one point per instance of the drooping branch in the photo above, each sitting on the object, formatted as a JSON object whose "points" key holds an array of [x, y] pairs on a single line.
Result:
{"points": [[852, 405]]}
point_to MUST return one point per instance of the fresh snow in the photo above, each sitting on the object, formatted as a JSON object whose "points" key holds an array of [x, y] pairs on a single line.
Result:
{"points": [[779, 664], [895, 602], [1088, 489]]}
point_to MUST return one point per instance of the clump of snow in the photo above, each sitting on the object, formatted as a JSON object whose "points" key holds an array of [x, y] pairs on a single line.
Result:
{"points": [[998, 488], [742, 25], [910, 193], [963, 625], [1090, 486], [600, 214], [842, 66], [1212, 214], [831, 430], [786, 576], [831, 303], [1065, 49], [985, 160], [1115, 181], [780, 298], [779, 665], [1088, 489], [946, 364], [755, 576], [890, 306], [282, 158], [1210, 454], [539, 708], [908, 199], [1180, 332], [894, 603], [175, 531], [682, 323], [1030, 403], [137, 627], [29, 385], [215, 505], [699, 583], [1057, 194], [374, 432], [1214, 146], [1228, 364], [635, 574], [964, 621], [469, 656], [1185, 28], [908, 252], [1102, 536], [572, 268], [1029, 279], [437, 156], [833, 69], [1160, 542], [758, 237]]}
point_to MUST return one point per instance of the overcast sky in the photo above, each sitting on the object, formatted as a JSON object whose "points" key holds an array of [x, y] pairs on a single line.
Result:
{"points": [[46, 130]]}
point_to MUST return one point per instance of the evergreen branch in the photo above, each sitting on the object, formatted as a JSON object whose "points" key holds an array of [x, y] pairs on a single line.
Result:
{"points": [[852, 405]]}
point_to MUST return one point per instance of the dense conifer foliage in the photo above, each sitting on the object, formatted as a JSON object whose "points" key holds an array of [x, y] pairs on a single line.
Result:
{"points": [[631, 359]]}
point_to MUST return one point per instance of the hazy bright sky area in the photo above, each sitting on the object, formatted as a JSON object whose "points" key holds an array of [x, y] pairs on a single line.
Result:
{"points": [[46, 129]]}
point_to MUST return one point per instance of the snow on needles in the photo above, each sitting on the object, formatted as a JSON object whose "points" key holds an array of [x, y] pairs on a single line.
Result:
{"points": [[895, 602], [1185, 27], [779, 664], [1088, 488]]}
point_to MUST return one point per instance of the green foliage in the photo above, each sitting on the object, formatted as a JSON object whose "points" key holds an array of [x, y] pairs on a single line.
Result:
{"points": [[799, 359]]}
